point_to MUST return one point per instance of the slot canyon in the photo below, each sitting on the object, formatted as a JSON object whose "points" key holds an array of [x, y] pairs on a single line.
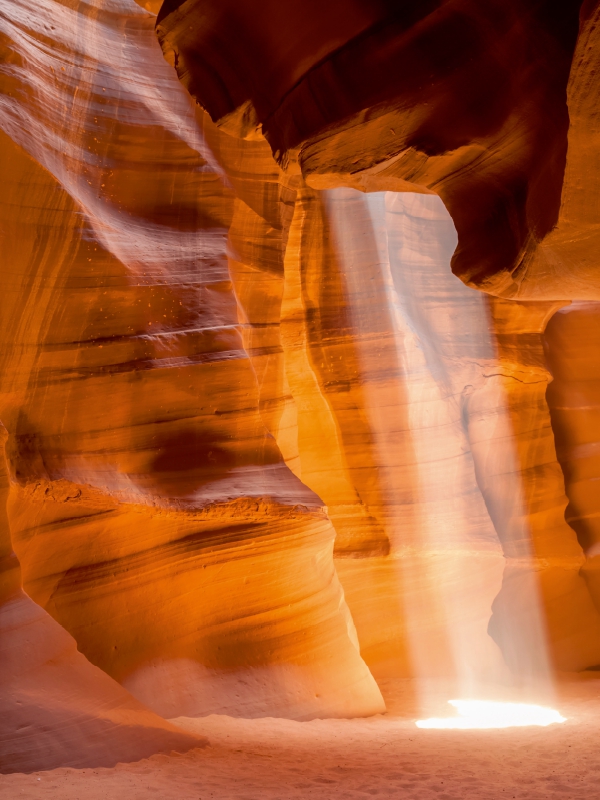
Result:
{"points": [[299, 399]]}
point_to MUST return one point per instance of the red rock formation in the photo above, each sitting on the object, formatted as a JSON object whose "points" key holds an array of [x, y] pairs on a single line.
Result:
{"points": [[388, 101], [571, 620], [153, 513], [572, 342], [465, 100], [438, 434], [215, 362], [565, 263]]}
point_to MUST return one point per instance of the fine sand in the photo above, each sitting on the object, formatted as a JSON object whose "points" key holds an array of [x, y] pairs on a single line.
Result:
{"points": [[385, 756]]}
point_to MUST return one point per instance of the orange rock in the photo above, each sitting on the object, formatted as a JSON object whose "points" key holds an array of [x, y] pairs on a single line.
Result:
{"points": [[153, 6], [538, 516], [432, 404], [572, 342], [465, 100], [249, 405], [153, 513], [56, 709], [390, 102], [565, 264]]}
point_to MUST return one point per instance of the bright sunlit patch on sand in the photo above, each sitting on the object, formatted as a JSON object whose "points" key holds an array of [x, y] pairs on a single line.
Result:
{"points": [[488, 714]]}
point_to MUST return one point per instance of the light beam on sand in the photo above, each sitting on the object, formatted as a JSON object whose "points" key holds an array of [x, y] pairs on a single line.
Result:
{"points": [[488, 714], [449, 474]]}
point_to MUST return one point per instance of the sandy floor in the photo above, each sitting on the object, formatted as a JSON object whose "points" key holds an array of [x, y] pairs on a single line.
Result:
{"points": [[385, 756]]}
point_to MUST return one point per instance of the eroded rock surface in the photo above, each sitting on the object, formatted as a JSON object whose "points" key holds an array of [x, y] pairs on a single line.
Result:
{"points": [[465, 100], [153, 513], [263, 444], [56, 709], [572, 343]]}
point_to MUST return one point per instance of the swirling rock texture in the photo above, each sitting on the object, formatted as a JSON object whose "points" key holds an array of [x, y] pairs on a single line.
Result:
{"points": [[450, 96], [238, 374], [152, 511], [494, 110], [56, 709], [443, 435]]}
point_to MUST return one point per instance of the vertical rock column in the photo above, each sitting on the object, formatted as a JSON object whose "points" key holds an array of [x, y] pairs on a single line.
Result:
{"points": [[572, 344], [544, 600]]}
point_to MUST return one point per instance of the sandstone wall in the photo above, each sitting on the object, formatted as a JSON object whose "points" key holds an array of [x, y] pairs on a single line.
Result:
{"points": [[572, 344], [262, 444], [153, 513], [56, 709], [469, 101], [338, 109]]}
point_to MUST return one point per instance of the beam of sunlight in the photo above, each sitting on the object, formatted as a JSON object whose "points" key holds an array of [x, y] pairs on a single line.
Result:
{"points": [[448, 468], [487, 714]]}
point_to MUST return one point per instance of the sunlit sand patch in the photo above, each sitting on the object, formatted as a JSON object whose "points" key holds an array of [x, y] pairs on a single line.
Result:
{"points": [[488, 714]]}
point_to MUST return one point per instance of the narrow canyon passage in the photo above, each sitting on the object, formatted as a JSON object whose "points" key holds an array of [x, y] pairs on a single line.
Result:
{"points": [[299, 343]]}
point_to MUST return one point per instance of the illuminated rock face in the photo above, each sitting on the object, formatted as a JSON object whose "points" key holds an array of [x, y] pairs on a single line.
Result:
{"points": [[152, 510], [263, 444], [387, 101], [431, 398], [56, 709]]}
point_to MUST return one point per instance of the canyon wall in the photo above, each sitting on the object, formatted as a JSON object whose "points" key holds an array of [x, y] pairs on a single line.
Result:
{"points": [[337, 109], [432, 400], [572, 344], [263, 446], [152, 511], [56, 709], [470, 101]]}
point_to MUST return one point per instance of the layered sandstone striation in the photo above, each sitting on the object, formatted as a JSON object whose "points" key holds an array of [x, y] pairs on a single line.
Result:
{"points": [[434, 398], [572, 344], [565, 264], [262, 444], [56, 709], [152, 510]]}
